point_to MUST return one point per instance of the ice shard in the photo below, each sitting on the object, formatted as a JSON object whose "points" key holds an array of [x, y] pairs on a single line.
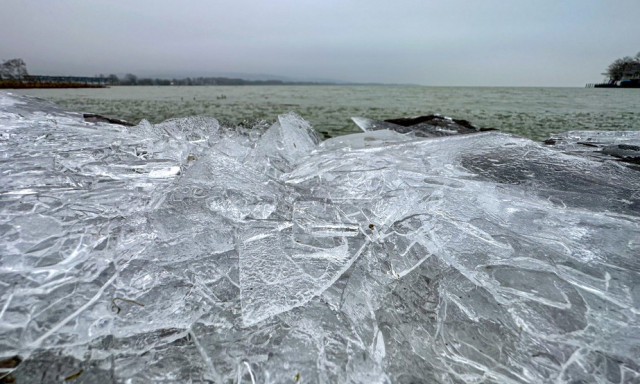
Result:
{"points": [[189, 251]]}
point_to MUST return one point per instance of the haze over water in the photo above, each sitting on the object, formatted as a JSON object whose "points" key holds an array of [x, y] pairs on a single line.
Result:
{"points": [[530, 112]]}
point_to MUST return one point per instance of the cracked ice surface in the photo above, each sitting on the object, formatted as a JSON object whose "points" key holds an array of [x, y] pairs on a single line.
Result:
{"points": [[191, 252]]}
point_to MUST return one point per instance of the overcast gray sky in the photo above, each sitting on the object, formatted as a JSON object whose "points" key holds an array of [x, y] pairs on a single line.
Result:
{"points": [[430, 42]]}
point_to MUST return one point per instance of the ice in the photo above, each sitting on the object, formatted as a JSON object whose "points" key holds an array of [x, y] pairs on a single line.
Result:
{"points": [[289, 139], [621, 145], [189, 251], [363, 140]]}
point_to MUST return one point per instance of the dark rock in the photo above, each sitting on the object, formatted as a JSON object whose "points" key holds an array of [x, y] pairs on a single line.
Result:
{"points": [[422, 126], [435, 125], [624, 152], [435, 120], [593, 145], [10, 362], [95, 118]]}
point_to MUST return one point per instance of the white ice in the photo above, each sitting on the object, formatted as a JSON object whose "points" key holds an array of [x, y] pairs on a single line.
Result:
{"points": [[189, 251]]}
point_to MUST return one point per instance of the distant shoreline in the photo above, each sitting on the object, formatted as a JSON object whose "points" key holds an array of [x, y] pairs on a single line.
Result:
{"points": [[16, 84]]}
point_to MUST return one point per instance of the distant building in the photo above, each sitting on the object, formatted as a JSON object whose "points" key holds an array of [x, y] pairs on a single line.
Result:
{"points": [[632, 72], [622, 73]]}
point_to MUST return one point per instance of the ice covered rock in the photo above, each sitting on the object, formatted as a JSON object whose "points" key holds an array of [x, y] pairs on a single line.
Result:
{"points": [[420, 126], [626, 152], [95, 118], [193, 252], [600, 145]]}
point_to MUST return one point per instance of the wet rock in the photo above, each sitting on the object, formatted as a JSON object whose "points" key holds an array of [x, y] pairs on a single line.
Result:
{"points": [[421, 126], [95, 118], [625, 152]]}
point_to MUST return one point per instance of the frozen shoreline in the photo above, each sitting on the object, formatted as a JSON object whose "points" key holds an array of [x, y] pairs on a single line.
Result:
{"points": [[191, 251]]}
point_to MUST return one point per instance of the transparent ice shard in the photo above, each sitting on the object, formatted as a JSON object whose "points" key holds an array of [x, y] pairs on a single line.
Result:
{"points": [[285, 142], [372, 125], [365, 140], [285, 264]]}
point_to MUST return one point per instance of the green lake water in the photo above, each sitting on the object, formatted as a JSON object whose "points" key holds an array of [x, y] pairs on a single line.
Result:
{"points": [[530, 112]]}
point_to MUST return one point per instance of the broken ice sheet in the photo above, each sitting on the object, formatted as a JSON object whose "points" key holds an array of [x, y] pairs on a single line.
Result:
{"points": [[522, 224], [285, 264], [377, 257]]}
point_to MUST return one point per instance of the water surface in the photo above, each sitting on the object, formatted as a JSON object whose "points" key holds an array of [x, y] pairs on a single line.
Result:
{"points": [[530, 112]]}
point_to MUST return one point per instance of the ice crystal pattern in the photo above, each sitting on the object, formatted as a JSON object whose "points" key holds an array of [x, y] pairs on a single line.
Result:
{"points": [[191, 252]]}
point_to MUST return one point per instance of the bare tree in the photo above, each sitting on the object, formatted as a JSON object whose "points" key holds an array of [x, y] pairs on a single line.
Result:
{"points": [[113, 79], [13, 69], [129, 79], [616, 70]]}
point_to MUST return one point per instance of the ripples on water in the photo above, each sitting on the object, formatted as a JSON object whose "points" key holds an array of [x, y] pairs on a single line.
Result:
{"points": [[530, 112]]}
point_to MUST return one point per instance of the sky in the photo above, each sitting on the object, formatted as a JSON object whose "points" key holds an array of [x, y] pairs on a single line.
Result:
{"points": [[426, 42]]}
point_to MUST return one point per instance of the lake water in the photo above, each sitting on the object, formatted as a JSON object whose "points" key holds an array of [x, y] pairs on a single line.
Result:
{"points": [[530, 112]]}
